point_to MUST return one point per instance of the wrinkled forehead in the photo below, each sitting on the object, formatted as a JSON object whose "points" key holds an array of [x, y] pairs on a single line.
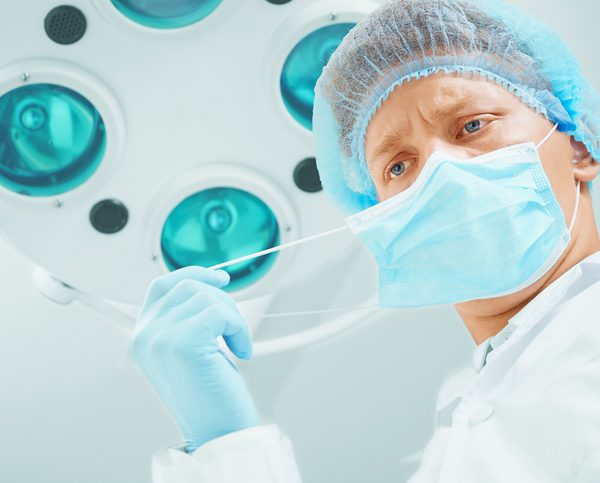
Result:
{"points": [[433, 99], [441, 93]]}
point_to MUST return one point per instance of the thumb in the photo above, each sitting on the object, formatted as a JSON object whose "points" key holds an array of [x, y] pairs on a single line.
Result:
{"points": [[219, 279]]}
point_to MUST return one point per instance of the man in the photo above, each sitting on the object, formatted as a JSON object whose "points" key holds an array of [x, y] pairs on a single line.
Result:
{"points": [[461, 139]]}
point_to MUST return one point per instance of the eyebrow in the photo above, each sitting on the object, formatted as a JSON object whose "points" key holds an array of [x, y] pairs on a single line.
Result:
{"points": [[389, 141], [387, 144]]}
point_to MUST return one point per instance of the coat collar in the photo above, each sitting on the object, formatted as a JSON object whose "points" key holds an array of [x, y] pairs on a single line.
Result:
{"points": [[557, 293]]}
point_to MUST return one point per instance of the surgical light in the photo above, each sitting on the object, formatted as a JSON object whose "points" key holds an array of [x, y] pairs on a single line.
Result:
{"points": [[166, 14], [52, 140], [303, 67], [220, 224]]}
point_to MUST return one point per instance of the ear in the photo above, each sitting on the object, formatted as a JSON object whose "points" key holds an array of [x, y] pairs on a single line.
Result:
{"points": [[585, 168]]}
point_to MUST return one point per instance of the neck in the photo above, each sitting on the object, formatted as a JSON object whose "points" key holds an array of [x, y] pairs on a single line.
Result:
{"points": [[485, 318]]}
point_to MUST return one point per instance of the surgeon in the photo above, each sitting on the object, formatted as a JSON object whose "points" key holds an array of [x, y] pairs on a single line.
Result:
{"points": [[461, 140]]}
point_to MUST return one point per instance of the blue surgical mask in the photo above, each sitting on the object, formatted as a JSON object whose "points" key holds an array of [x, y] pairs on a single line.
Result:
{"points": [[466, 229]]}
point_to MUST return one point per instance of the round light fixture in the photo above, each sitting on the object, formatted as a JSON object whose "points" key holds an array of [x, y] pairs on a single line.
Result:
{"points": [[166, 14], [220, 224], [52, 140], [303, 67]]}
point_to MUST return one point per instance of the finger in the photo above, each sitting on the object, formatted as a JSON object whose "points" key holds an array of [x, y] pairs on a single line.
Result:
{"points": [[163, 284], [240, 344], [176, 305], [192, 306], [187, 288], [182, 291], [219, 320]]}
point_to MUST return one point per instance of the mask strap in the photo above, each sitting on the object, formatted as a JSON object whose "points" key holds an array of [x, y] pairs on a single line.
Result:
{"points": [[288, 245], [578, 195], [279, 248], [576, 210], [548, 135]]}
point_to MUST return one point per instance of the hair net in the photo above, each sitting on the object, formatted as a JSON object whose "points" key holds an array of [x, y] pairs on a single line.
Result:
{"points": [[409, 39]]}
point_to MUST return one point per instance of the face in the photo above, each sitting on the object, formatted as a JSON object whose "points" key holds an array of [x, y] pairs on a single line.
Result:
{"points": [[466, 117]]}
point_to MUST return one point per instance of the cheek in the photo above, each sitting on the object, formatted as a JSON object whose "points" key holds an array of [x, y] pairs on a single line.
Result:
{"points": [[385, 192], [381, 192], [556, 157], [380, 186]]}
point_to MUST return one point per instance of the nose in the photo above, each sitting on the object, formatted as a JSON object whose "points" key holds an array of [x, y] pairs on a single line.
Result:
{"points": [[434, 144]]}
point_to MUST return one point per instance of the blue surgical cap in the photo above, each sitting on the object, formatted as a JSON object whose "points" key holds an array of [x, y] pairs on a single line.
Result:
{"points": [[410, 39]]}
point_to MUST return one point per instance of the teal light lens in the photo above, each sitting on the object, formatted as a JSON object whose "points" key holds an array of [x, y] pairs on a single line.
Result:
{"points": [[166, 14], [217, 225], [52, 140], [303, 67]]}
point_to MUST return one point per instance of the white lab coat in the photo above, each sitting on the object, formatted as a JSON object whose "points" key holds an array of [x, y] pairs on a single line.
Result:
{"points": [[526, 412]]}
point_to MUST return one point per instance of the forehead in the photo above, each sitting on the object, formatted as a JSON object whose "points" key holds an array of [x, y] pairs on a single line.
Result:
{"points": [[430, 93], [433, 98]]}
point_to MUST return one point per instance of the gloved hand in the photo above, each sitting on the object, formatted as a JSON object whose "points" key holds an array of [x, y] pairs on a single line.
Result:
{"points": [[174, 343]]}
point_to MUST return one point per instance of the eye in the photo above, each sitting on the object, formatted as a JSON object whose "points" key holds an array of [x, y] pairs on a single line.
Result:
{"points": [[473, 126], [397, 169]]}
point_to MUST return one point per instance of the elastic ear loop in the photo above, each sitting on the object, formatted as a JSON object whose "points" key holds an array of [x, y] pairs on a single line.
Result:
{"points": [[278, 248], [283, 247], [578, 188], [576, 210], [554, 128]]}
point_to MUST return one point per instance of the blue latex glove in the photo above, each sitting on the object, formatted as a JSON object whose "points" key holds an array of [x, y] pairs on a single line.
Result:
{"points": [[174, 342]]}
